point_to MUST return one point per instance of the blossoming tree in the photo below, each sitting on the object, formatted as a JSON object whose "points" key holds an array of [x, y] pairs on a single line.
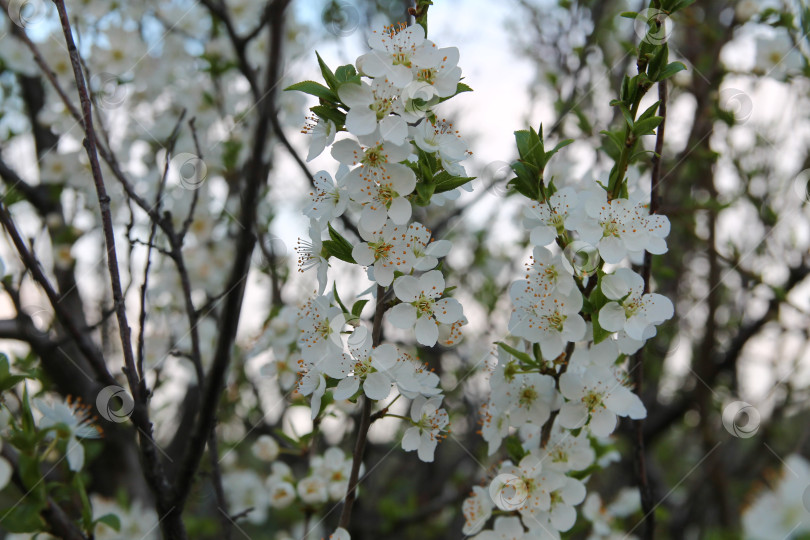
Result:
{"points": [[442, 365]]}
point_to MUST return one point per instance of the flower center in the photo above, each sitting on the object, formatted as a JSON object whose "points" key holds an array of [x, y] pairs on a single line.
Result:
{"points": [[374, 157], [592, 400], [381, 249], [425, 305]]}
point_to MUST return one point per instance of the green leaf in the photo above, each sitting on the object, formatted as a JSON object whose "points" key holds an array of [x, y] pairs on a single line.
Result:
{"points": [[598, 301], [649, 112], [347, 74], [538, 153], [328, 76], [523, 144], [446, 182], [460, 88], [7, 380], [424, 192], [28, 424], [628, 14], [671, 70], [646, 126], [527, 181], [23, 518], [30, 473], [626, 114], [358, 306], [314, 89], [110, 520], [338, 247], [522, 356], [514, 449], [337, 298], [560, 146], [614, 142], [329, 113], [671, 6], [658, 61]]}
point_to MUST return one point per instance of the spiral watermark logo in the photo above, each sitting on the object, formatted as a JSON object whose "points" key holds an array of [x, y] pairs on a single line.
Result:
{"points": [[741, 419], [26, 13], [114, 404], [108, 90], [188, 170], [508, 492], [341, 18], [736, 102], [653, 26], [801, 186], [583, 257], [495, 176]]}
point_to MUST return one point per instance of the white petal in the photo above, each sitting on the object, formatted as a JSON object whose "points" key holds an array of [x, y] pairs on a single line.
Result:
{"points": [[447, 310], [384, 357], [377, 386], [572, 386], [542, 235], [427, 449], [612, 250], [410, 441], [75, 454], [400, 211], [614, 287], [439, 248], [602, 423], [573, 415], [400, 177], [347, 151], [373, 217], [427, 331], [360, 120], [658, 308], [360, 343], [574, 491], [432, 283], [407, 288], [402, 316], [5, 472], [355, 95], [563, 517], [346, 388], [394, 129], [363, 254], [612, 317]]}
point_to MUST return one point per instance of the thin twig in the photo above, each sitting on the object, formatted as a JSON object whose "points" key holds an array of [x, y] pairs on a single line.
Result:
{"points": [[365, 419], [637, 363], [256, 176], [172, 523]]}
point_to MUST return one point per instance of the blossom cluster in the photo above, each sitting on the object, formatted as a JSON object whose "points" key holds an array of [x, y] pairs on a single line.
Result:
{"points": [[557, 392], [394, 155]]}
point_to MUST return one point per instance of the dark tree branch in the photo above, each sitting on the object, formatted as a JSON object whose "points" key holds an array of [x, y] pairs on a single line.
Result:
{"points": [[256, 176], [637, 362], [172, 523]]}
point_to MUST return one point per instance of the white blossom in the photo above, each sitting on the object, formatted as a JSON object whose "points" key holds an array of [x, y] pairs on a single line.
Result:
{"points": [[422, 307]]}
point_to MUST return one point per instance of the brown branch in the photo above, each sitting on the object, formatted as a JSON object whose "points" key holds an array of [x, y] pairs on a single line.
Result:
{"points": [[637, 362], [365, 419], [172, 523], [256, 176], [85, 345]]}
